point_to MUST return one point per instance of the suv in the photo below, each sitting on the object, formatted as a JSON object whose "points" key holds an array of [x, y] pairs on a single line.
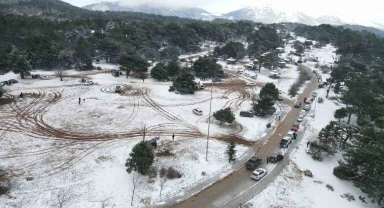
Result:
{"points": [[258, 174], [275, 157], [246, 114], [292, 134], [285, 142], [253, 162], [298, 104], [117, 89], [197, 111]]}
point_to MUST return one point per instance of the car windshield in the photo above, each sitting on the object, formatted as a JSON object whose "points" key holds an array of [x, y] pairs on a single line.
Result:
{"points": [[256, 174]]}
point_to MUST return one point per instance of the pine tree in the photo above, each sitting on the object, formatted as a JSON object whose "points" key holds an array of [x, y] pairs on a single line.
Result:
{"points": [[231, 151], [141, 158], [184, 82], [159, 72], [224, 115]]}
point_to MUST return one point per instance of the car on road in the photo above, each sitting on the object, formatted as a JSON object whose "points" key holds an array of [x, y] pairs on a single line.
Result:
{"points": [[258, 174], [308, 101], [87, 83], [118, 89], [251, 84], [197, 111], [246, 74], [275, 157], [253, 77], [314, 94], [295, 126], [280, 97], [216, 79], [298, 104], [246, 114], [240, 72], [44, 77], [284, 143], [300, 118], [292, 134], [307, 107], [253, 162]]}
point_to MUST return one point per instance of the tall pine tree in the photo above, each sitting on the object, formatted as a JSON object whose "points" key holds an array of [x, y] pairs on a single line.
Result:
{"points": [[141, 158], [231, 151]]}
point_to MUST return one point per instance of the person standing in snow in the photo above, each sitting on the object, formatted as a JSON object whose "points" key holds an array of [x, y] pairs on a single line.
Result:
{"points": [[173, 136], [79, 101]]}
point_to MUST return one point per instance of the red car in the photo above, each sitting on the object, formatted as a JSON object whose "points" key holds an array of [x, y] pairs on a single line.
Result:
{"points": [[295, 126]]}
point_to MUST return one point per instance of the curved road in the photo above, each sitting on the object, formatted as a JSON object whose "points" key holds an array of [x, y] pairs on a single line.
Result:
{"points": [[228, 191]]}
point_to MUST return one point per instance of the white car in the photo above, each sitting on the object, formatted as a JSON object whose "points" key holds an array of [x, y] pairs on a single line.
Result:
{"points": [[303, 112], [88, 83], [197, 111], [246, 74], [308, 101], [251, 84], [314, 94], [291, 134], [307, 107], [300, 118], [45, 77], [258, 174], [254, 77]]}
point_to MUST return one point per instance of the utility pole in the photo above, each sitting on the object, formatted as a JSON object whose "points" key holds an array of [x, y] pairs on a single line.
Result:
{"points": [[209, 125]]}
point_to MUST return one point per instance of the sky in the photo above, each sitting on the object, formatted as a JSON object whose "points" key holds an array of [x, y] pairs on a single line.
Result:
{"points": [[367, 9]]}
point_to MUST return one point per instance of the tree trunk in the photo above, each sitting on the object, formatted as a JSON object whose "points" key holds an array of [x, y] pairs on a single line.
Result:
{"points": [[133, 194], [221, 123], [349, 118], [128, 71]]}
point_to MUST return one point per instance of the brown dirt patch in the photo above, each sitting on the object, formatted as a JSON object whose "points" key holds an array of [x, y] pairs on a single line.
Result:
{"points": [[237, 139]]}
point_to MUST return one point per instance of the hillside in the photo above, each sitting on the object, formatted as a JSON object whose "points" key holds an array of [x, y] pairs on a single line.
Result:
{"points": [[184, 12]]}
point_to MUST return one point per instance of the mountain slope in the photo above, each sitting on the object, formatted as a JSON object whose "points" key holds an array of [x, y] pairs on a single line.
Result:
{"points": [[184, 12], [267, 14]]}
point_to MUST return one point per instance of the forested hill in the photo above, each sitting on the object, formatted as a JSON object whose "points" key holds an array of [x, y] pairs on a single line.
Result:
{"points": [[59, 10]]}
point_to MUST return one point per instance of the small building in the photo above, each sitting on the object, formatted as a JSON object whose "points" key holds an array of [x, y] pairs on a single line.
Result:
{"points": [[231, 61]]}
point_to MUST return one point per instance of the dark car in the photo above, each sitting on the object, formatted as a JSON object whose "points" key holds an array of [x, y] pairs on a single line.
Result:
{"points": [[253, 163], [216, 79], [246, 114], [321, 85], [117, 89], [275, 157], [13, 81], [298, 104]]}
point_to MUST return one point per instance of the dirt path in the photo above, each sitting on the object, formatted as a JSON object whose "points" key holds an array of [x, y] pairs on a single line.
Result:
{"points": [[224, 192]]}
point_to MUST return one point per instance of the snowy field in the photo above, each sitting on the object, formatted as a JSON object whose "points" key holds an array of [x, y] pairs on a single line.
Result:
{"points": [[57, 149]]}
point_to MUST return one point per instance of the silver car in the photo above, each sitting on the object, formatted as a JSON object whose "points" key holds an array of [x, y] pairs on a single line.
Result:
{"points": [[300, 118], [307, 107]]}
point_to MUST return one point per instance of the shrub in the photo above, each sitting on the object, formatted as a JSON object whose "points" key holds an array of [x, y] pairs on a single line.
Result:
{"points": [[343, 173], [173, 173], [152, 173], [330, 187], [171, 89], [320, 100], [294, 89], [163, 172], [5, 182], [325, 69], [349, 196]]}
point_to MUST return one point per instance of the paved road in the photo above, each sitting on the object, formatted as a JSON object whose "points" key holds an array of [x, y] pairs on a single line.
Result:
{"points": [[223, 192]]}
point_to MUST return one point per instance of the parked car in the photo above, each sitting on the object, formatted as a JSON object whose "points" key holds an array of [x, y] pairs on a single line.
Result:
{"points": [[284, 143], [240, 72], [298, 104], [118, 89], [292, 134], [246, 74], [280, 97], [253, 77], [303, 112], [253, 162], [216, 79], [251, 84], [321, 85], [258, 174], [275, 157], [314, 94], [13, 81], [307, 107], [44, 77], [197, 111], [246, 114], [87, 83], [300, 118], [308, 101], [295, 126]]}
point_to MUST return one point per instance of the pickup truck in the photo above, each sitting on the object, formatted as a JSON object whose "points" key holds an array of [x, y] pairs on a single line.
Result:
{"points": [[253, 163]]}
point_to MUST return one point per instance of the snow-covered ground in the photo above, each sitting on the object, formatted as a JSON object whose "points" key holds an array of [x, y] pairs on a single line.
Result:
{"points": [[56, 148]]}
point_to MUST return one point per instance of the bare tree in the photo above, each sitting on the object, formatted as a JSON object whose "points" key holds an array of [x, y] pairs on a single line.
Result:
{"points": [[163, 178], [103, 202], [136, 180], [63, 197], [143, 130]]}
